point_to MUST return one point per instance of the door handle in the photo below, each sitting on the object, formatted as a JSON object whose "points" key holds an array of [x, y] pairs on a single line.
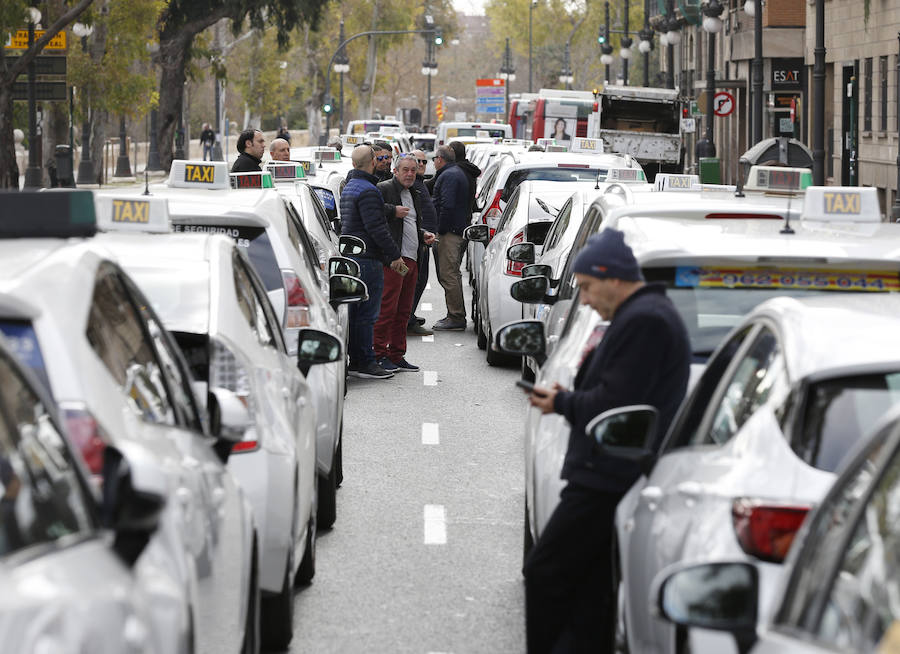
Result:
{"points": [[691, 489], [652, 494]]}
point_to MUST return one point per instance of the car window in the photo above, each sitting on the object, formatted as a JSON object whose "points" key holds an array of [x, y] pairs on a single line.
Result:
{"points": [[329, 205], [319, 211], [559, 226], [117, 335], [42, 498], [590, 225], [254, 241], [559, 173], [509, 211], [838, 412], [759, 371], [487, 187], [250, 305], [315, 260]]}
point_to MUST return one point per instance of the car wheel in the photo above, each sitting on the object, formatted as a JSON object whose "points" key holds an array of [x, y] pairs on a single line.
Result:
{"points": [[527, 540], [251, 628], [278, 613], [326, 513], [339, 458], [307, 569]]}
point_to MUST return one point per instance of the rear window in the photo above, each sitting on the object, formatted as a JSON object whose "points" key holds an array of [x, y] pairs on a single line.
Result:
{"points": [[23, 342], [474, 131], [254, 241], [553, 174], [425, 145], [537, 232]]}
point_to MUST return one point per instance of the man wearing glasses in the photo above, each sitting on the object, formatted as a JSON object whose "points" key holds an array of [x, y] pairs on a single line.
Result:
{"points": [[383, 159], [429, 221], [451, 200]]}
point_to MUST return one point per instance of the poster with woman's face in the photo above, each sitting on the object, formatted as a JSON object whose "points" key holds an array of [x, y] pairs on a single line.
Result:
{"points": [[561, 129]]}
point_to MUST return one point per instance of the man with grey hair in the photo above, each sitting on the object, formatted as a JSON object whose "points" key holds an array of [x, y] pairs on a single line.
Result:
{"points": [[451, 201], [280, 150], [429, 221]]}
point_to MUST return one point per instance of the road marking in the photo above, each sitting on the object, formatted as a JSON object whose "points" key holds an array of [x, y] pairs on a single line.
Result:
{"points": [[429, 377], [430, 433], [428, 339], [435, 525], [426, 306]]}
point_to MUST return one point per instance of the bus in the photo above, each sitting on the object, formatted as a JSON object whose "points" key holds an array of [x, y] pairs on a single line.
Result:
{"points": [[551, 113]]}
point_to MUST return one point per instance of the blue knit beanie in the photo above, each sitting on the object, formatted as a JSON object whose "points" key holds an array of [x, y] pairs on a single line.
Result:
{"points": [[606, 255]]}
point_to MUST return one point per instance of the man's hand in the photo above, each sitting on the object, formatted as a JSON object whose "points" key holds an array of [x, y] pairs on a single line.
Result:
{"points": [[400, 212], [428, 237], [543, 397], [397, 264]]}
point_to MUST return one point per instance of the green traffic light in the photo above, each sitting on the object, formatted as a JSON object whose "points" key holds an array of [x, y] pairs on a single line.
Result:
{"points": [[327, 108], [438, 36]]}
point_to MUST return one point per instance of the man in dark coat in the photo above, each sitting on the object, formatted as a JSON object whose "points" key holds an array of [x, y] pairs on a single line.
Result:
{"points": [[471, 170], [384, 157], [362, 215], [251, 145], [643, 358], [451, 201], [429, 221]]}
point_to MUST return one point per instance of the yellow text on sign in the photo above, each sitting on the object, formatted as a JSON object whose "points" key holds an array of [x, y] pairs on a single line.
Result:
{"points": [[842, 202], [680, 182], [18, 40], [196, 173], [131, 211]]}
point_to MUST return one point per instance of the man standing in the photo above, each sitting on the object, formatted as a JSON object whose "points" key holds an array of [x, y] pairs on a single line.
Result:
{"points": [[399, 287], [252, 146], [643, 358], [451, 201], [471, 170], [280, 150], [207, 140], [429, 222], [362, 215], [383, 159]]}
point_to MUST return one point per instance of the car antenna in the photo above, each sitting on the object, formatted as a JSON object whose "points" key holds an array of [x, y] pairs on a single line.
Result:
{"points": [[787, 219], [597, 184], [146, 184]]}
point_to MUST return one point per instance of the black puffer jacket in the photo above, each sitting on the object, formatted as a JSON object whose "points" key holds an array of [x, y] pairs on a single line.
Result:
{"points": [[362, 215]]}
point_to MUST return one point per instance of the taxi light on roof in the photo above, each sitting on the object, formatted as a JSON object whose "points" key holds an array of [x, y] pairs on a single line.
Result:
{"points": [[841, 204], [671, 182], [41, 214], [309, 168], [592, 146], [778, 179], [625, 175], [545, 142], [353, 139], [327, 154], [252, 180], [199, 174], [556, 148], [132, 214], [285, 171]]}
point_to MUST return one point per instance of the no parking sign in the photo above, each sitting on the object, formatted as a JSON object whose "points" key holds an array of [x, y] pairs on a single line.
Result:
{"points": [[723, 103]]}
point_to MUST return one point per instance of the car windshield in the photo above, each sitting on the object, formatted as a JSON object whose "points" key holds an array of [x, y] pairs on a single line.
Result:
{"points": [[554, 174], [180, 296]]}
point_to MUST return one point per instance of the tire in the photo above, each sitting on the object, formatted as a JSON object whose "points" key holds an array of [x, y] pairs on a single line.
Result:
{"points": [[481, 337], [493, 357], [252, 627], [339, 458], [326, 513], [307, 569], [278, 613], [527, 540]]}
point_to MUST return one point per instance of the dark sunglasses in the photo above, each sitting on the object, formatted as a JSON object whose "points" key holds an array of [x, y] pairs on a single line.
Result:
{"points": [[383, 157], [422, 161]]}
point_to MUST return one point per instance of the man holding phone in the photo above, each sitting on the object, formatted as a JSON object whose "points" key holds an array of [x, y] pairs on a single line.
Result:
{"points": [[403, 211], [643, 358]]}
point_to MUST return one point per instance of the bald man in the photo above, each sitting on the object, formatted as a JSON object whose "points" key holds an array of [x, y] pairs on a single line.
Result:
{"points": [[280, 150]]}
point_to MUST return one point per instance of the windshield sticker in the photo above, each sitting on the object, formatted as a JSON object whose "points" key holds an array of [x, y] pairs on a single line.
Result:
{"points": [[819, 280]]}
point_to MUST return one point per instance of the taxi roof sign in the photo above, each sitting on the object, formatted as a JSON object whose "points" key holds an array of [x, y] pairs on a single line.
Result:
{"points": [[625, 175], [591, 146], [353, 139], [252, 180], [673, 182], [199, 174], [556, 147], [286, 171], [326, 154], [39, 214], [545, 142], [778, 179], [854, 204], [132, 214]]}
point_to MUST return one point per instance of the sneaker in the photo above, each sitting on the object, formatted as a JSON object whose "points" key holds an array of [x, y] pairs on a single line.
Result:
{"points": [[450, 325], [421, 321], [370, 371], [415, 320], [405, 366], [387, 364], [418, 330]]}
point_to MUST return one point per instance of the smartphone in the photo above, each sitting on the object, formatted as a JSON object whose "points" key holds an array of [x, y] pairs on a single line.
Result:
{"points": [[403, 269], [527, 385]]}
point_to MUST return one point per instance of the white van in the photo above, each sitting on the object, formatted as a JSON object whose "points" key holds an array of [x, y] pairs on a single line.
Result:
{"points": [[469, 132]]}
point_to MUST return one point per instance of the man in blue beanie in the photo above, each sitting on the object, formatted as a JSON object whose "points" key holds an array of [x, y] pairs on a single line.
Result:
{"points": [[643, 358]]}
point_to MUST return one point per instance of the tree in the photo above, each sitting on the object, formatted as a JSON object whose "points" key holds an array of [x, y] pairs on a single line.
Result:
{"points": [[12, 16], [183, 20]]}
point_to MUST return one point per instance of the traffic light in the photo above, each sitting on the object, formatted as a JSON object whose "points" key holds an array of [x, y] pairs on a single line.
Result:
{"points": [[601, 35], [327, 108], [438, 36]]}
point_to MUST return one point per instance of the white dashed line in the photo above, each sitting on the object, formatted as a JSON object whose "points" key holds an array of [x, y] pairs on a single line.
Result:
{"points": [[428, 339], [429, 377], [430, 434], [426, 306], [435, 525]]}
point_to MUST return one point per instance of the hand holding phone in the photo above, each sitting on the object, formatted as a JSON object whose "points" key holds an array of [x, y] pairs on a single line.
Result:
{"points": [[526, 385]]}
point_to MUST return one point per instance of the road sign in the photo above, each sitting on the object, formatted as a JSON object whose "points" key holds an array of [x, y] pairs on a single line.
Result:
{"points": [[723, 104], [43, 91], [44, 64], [490, 96], [688, 125], [18, 40]]}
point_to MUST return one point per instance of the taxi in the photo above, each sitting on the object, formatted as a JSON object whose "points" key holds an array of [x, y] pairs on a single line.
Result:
{"points": [[85, 330], [67, 588], [210, 298]]}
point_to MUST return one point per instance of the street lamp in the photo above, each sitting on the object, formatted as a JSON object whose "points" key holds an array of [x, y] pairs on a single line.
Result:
{"points": [[566, 76], [153, 162], [646, 42], [429, 70], [508, 74], [342, 66], [33, 171], [711, 24], [86, 173], [753, 8], [625, 48], [671, 31], [531, 6], [819, 97], [895, 210], [606, 57]]}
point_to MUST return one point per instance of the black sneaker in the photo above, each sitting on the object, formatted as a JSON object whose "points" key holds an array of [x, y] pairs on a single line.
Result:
{"points": [[449, 325], [387, 364], [405, 366], [370, 371], [418, 330]]}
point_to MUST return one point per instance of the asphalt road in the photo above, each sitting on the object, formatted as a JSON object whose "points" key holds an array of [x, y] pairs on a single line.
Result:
{"points": [[426, 553]]}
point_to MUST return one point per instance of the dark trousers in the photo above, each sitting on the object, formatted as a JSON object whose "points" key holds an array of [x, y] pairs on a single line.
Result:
{"points": [[421, 280], [568, 577], [363, 315], [396, 307]]}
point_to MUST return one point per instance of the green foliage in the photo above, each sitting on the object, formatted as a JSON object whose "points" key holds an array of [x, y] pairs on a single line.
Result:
{"points": [[257, 74]]}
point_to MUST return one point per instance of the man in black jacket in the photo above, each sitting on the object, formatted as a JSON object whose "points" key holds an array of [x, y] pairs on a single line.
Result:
{"points": [[643, 358], [251, 145], [416, 325], [471, 170]]}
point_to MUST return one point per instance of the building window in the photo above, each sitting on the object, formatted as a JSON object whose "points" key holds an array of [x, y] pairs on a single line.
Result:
{"points": [[883, 70], [867, 108]]}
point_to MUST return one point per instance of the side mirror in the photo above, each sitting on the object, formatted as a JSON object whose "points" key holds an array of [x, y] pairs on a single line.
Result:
{"points": [[349, 245], [523, 338], [315, 347], [134, 492], [531, 290], [521, 252], [477, 233], [626, 432], [537, 270], [720, 596], [343, 289], [229, 417], [343, 266]]}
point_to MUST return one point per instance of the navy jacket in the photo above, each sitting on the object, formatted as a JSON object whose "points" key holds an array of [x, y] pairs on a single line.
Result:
{"points": [[451, 200], [644, 358], [362, 215], [429, 215]]}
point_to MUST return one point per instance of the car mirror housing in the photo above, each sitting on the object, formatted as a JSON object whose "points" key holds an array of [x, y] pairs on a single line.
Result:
{"points": [[477, 233], [626, 432], [521, 252], [523, 338], [351, 245], [315, 347], [531, 290], [537, 270], [343, 266], [344, 289]]}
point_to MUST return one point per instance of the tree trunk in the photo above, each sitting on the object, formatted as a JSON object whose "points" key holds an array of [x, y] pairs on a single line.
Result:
{"points": [[9, 168], [368, 86], [99, 121], [171, 94]]}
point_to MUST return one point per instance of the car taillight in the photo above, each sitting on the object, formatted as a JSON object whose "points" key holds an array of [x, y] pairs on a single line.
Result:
{"points": [[766, 531], [297, 312], [244, 446], [226, 371], [86, 436], [493, 213], [515, 267]]}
